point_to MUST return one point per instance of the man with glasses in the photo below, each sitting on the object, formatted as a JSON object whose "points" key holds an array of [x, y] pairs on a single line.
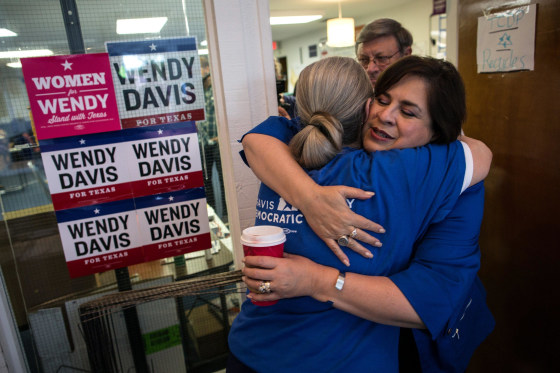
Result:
{"points": [[380, 43]]}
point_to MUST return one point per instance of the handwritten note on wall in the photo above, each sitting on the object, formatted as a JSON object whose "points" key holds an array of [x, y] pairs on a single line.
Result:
{"points": [[506, 40]]}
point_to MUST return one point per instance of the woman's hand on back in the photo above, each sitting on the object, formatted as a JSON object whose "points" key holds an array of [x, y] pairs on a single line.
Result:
{"points": [[325, 208], [326, 211]]}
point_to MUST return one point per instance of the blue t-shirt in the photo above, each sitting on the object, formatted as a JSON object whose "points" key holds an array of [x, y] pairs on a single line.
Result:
{"points": [[414, 188], [440, 281], [441, 285]]}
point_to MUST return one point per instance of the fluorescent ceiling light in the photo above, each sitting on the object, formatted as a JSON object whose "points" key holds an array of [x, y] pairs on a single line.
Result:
{"points": [[291, 20], [204, 43], [140, 25], [202, 51], [26, 53], [15, 65], [4, 32]]}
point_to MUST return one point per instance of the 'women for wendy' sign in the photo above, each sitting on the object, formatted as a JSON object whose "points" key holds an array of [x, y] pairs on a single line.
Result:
{"points": [[71, 95]]}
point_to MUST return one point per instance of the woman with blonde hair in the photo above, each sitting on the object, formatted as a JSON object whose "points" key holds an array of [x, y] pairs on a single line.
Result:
{"points": [[338, 121]]}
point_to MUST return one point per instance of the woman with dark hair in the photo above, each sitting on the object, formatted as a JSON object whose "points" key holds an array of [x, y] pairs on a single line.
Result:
{"points": [[445, 96]]}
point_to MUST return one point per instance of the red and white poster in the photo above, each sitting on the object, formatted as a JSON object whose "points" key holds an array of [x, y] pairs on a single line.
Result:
{"points": [[112, 166], [163, 158], [101, 237], [86, 170], [157, 81], [71, 95], [174, 223]]}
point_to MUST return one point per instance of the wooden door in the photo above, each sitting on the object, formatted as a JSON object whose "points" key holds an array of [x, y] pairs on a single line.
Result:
{"points": [[518, 115]]}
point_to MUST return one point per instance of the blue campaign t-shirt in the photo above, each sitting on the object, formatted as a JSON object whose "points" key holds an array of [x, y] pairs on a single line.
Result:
{"points": [[414, 187]]}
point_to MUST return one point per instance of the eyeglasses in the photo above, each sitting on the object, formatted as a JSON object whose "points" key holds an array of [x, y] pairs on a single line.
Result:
{"points": [[380, 61]]}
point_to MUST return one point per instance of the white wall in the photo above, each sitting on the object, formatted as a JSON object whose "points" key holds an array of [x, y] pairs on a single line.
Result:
{"points": [[240, 46], [452, 32], [415, 16], [12, 358], [3, 366]]}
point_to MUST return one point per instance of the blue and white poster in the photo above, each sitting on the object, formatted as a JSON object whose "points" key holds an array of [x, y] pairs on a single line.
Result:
{"points": [[174, 223], [101, 237], [157, 81], [127, 197], [112, 166]]}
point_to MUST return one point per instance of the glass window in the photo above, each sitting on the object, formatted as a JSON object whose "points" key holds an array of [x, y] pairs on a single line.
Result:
{"points": [[44, 298]]}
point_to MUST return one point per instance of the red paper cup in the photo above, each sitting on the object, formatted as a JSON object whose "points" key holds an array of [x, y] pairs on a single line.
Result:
{"points": [[264, 240]]}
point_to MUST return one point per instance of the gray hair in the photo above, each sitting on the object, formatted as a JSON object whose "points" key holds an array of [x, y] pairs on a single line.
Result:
{"points": [[385, 27], [331, 98]]}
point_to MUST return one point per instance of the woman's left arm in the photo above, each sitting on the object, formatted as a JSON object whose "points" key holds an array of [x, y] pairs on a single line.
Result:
{"points": [[375, 298], [324, 207]]}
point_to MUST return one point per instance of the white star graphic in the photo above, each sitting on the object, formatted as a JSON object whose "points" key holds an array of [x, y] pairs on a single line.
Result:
{"points": [[96, 211], [153, 47], [67, 65], [160, 132], [171, 198], [82, 142]]}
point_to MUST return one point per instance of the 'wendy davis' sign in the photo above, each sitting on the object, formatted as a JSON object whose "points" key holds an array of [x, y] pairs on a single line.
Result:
{"points": [[112, 166], [157, 81]]}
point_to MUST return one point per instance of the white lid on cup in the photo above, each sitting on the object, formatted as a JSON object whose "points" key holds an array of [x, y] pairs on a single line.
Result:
{"points": [[263, 235]]}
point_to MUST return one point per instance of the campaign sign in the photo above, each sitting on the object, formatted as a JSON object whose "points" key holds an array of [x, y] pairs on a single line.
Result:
{"points": [[112, 166], [86, 170], [173, 223], [101, 237], [71, 95], [163, 158], [157, 81]]}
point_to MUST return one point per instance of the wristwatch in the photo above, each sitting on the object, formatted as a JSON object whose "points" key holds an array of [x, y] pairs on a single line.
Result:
{"points": [[340, 281]]}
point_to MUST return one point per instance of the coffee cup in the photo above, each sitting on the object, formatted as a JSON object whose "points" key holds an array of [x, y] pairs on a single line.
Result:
{"points": [[266, 240]]}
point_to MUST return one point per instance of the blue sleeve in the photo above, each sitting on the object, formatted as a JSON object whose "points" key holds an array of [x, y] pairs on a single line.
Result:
{"points": [[291, 101], [469, 326], [433, 176], [445, 262], [279, 127], [453, 167]]}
